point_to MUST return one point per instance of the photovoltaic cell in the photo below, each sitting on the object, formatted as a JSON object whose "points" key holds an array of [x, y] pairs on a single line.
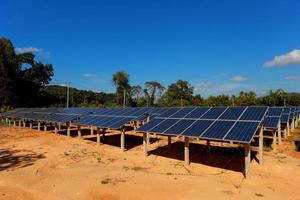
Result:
{"points": [[163, 126], [254, 113], [197, 113], [274, 112], [233, 113], [169, 112], [284, 118], [148, 126], [182, 113], [271, 122], [179, 127], [218, 130], [197, 128], [214, 113], [242, 131]]}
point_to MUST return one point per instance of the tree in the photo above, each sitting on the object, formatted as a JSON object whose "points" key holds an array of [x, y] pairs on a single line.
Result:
{"points": [[121, 81], [136, 91], [178, 94], [153, 89], [18, 86], [245, 99], [220, 100]]}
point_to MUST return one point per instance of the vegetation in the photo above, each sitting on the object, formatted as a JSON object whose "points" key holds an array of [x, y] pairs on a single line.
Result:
{"points": [[24, 83]]}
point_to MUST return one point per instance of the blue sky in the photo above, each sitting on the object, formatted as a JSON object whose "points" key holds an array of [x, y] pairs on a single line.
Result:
{"points": [[218, 46]]}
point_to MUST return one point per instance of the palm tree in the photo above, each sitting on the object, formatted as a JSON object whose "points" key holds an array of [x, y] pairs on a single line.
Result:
{"points": [[121, 81]]}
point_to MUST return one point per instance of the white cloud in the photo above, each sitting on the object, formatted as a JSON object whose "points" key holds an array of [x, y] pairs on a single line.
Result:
{"points": [[292, 78], [33, 50], [292, 57], [209, 88], [89, 75], [239, 78]]}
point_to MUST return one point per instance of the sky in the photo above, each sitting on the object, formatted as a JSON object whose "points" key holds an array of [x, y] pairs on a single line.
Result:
{"points": [[220, 47]]}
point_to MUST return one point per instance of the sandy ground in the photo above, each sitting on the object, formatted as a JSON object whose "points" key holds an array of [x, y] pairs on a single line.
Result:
{"points": [[36, 165]]}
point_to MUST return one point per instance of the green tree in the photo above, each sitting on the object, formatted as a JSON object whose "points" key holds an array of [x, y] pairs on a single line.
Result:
{"points": [[245, 99], [152, 91], [121, 81]]}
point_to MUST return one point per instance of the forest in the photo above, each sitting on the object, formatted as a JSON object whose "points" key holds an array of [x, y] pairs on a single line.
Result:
{"points": [[25, 82]]}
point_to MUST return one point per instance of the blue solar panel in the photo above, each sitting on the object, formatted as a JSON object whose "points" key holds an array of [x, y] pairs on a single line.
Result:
{"points": [[148, 126], [169, 112], [274, 112], [233, 113], [254, 113], [197, 128], [120, 123], [284, 118], [242, 132], [163, 126], [214, 113], [197, 113], [182, 113], [286, 110], [218, 130], [179, 127], [271, 122]]}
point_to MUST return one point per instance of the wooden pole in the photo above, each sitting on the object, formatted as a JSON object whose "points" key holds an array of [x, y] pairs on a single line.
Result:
{"points": [[261, 145], [186, 151], [123, 140], [247, 160]]}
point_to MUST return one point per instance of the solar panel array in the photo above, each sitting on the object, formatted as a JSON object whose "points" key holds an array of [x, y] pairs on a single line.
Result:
{"points": [[273, 116], [218, 123]]}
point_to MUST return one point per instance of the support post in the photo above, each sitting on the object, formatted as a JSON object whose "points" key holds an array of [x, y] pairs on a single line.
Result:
{"points": [[14, 122], [123, 140], [208, 147], [30, 125], [19, 123], [45, 126], [24, 123], [169, 143], [145, 144], [79, 131], [186, 151], [279, 134], [39, 125], [261, 145], [247, 160], [68, 129], [9, 122], [285, 132], [288, 128], [55, 128], [92, 130], [98, 136], [148, 138], [59, 126], [274, 145]]}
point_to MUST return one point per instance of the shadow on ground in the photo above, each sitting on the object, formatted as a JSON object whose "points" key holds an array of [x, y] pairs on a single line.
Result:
{"points": [[227, 158], [14, 159]]}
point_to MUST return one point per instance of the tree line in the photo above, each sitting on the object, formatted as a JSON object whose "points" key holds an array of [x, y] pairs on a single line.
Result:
{"points": [[24, 82]]}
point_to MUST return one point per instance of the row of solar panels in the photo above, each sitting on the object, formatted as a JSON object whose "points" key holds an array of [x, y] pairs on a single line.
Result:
{"points": [[117, 117], [238, 124]]}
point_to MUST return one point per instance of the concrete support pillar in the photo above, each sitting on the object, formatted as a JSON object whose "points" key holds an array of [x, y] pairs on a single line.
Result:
{"points": [[6, 120], [261, 145], [293, 125], [208, 146], [288, 128], [123, 140], [247, 160], [145, 144], [92, 130], [24, 123], [39, 126], [68, 129], [55, 128], [279, 134], [148, 138], [45, 126], [186, 151], [14, 122], [30, 125], [19, 123], [9, 122], [79, 131], [274, 144], [98, 136], [285, 133], [169, 143], [59, 126]]}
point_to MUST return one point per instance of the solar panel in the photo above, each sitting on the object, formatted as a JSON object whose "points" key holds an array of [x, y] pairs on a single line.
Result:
{"points": [[242, 131], [169, 112], [233, 113], [180, 126], [254, 113], [164, 125], [284, 118], [214, 113], [197, 128], [274, 111], [182, 113], [217, 130], [271, 122], [197, 113], [148, 126]]}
